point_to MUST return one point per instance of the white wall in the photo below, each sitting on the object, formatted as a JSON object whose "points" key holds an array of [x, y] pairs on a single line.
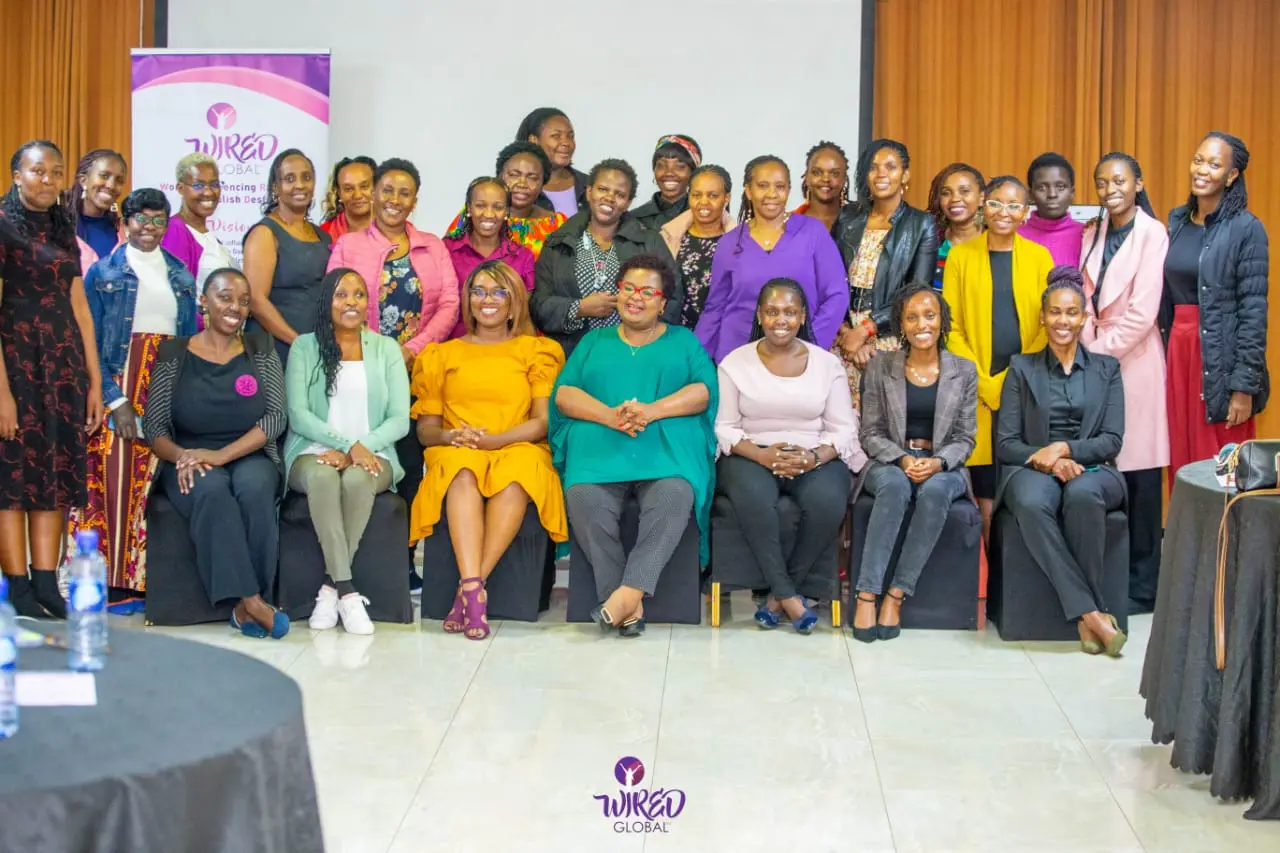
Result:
{"points": [[445, 84]]}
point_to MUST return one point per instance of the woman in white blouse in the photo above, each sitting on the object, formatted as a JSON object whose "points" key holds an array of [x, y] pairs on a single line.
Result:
{"points": [[786, 426], [190, 239], [348, 396]]}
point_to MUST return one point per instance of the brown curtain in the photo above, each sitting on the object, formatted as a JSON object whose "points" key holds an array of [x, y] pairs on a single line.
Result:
{"points": [[996, 82], [64, 72]]}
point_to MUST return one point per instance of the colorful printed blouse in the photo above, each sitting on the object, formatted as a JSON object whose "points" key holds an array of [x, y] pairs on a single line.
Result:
{"points": [[399, 300], [530, 232], [694, 260]]}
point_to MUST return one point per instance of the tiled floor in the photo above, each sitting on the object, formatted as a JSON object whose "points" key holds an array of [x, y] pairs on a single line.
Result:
{"points": [[934, 742]]}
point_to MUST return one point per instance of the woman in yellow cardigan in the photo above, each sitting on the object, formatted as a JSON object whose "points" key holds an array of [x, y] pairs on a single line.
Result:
{"points": [[992, 284]]}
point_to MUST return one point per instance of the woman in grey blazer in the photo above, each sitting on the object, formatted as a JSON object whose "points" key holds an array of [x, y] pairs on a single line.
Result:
{"points": [[919, 420]]}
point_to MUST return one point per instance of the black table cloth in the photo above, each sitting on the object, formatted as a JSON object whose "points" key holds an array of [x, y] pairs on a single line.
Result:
{"points": [[190, 748], [1225, 723]]}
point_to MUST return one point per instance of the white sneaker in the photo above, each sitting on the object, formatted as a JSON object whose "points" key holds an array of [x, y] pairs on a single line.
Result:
{"points": [[354, 618], [325, 615]]}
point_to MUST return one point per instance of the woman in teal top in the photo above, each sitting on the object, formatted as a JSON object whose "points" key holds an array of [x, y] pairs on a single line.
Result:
{"points": [[348, 396], [634, 414]]}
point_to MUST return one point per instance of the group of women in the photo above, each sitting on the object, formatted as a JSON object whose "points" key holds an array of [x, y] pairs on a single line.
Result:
{"points": [[557, 349]]}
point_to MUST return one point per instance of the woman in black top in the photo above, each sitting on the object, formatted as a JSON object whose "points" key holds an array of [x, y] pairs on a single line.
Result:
{"points": [[285, 255], [1214, 313], [215, 409]]}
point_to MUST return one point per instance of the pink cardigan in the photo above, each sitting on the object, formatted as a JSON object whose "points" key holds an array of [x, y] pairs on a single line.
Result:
{"points": [[1125, 327], [366, 251]]}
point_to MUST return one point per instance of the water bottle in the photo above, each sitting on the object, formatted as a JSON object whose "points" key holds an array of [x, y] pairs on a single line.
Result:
{"points": [[8, 664], [87, 606]]}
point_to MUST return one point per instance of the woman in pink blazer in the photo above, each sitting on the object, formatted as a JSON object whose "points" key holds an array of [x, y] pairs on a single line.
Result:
{"points": [[1123, 264]]}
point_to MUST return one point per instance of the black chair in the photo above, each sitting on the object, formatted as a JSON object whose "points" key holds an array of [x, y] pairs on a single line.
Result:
{"points": [[946, 596], [1020, 599], [175, 592], [377, 569], [516, 586], [734, 566], [676, 600]]}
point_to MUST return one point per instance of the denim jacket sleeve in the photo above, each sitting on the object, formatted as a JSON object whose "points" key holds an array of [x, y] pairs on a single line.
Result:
{"points": [[111, 391]]}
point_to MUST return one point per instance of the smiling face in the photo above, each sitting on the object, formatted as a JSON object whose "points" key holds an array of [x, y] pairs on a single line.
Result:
{"points": [[355, 189], [397, 195], [922, 320], [887, 175], [201, 190], [146, 229], [672, 176], [39, 177], [350, 303], [1211, 168], [609, 197], [103, 184], [1005, 209], [1052, 190], [487, 210], [557, 140], [707, 199], [768, 190], [524, 178], [490, 301], [827, 176], [781, 316], [1063, 316], [1117, 188], [226, 303], [295, 184], [960, 197], [640, 299]]}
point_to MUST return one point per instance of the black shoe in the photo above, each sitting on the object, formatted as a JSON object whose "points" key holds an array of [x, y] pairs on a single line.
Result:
{"points": [[1138, 606], [415, 582], [23, 597], [864, 635], [631, 628], [45, 586]]}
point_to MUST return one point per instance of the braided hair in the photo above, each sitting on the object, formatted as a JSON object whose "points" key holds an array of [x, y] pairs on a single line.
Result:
{"points": [[935, 192], [464, 218], [523, 146], [1142, 200], [1235, 197], [772, 286], [272, 201], [862, 185], [719, 171], [1063, 277], [73, 195], [536, 120], [63, 230], [326, 338], [825, 145], [332, 205], [745, 208], [909, 291]]}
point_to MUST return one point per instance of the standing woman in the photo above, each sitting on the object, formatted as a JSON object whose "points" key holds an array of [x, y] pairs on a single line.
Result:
{"points": [[1214, 312], [523, 167], [692, 236], [884, 243], [1124, 256], [348, 205], [993, 285], [770, 243], [139, 296], [955, 203], [189, 238], [825, 185], [674, 160], [285, 255], [92, 198], [485, 237], [50, 387], [550, 129]]}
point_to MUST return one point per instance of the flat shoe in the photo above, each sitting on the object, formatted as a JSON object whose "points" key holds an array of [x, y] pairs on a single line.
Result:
{"points": [[1116, 644], [601, 617], [631, 628], [249, 628], [279, 625]]}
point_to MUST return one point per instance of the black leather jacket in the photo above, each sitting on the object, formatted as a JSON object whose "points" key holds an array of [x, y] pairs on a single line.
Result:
{"points": [[910, 253]]}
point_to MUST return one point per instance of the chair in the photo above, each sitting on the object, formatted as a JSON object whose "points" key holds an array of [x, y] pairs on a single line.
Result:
{"points": [[676, 600], [516, 586], [1020, 599], [175, 592], [377, 569], [946, 596], [734, 566]]}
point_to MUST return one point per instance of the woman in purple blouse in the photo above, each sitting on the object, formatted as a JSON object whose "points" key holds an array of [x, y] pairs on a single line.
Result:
{"points": [[771, 243]]}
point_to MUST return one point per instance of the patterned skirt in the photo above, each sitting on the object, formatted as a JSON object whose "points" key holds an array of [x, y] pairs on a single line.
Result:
{"points": [[883, 344], [119, 479]]}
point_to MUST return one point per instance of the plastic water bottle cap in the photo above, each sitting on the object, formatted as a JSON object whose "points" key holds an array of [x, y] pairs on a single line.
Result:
{"points": [[4, 587], [86, 541]]}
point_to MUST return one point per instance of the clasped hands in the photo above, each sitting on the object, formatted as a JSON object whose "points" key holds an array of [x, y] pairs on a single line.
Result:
{"points": [[471, 437], [1052, 459], [856, 345], [633, 416], [787, 461], [359, 456], [919, 468]]}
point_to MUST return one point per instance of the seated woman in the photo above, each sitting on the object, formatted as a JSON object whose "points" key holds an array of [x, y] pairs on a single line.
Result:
{"points": [[214, 411], [1060, 430], [633, 416], [919, 422], [786, 427], [348, 406], [481, 412]]}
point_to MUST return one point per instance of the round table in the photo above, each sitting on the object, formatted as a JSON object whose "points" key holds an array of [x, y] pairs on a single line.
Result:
{"points": [[190, 748], [1227, 722]]}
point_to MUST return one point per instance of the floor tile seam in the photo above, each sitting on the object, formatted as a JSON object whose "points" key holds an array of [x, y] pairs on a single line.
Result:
{"points": [[662, 701], [871, 741]]}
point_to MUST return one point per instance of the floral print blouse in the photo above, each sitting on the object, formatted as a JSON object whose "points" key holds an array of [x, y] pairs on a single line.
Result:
{"points": [[399, 300]]}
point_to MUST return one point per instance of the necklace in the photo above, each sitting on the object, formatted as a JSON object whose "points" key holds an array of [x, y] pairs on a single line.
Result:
{"points": [[635, 348], [782, 227], [925, 380]]}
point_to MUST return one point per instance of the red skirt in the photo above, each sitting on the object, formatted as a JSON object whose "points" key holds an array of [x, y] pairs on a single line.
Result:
{"points": [[1190, 437]]}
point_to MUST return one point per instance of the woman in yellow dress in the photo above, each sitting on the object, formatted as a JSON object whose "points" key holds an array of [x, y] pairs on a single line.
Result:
{"points": [[481, 414]]}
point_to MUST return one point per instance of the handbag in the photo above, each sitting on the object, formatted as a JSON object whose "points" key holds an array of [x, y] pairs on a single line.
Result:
{"points": [[1255, 465]]}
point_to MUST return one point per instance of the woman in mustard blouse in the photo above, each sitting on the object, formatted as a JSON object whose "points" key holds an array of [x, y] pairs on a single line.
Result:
{"points": [[481, 414]]}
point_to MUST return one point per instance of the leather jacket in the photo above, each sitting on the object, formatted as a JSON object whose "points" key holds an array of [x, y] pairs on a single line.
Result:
{"points": [[910, 253]]}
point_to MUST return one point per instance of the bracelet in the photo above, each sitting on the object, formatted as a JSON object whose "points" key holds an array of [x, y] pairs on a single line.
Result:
{"points": [[868, 327]]}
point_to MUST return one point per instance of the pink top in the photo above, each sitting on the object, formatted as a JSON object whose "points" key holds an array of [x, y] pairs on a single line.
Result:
{"points": [[465, 259], [1060, 236], [366, 251], [807, 410]]}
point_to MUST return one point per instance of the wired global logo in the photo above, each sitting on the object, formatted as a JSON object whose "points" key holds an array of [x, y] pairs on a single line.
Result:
{"points": [[238, 153], [639, 810], [221, 116]]}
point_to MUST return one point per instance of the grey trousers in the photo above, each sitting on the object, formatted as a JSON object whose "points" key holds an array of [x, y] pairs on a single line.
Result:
{"points": [[595, 512], [340, 503]]}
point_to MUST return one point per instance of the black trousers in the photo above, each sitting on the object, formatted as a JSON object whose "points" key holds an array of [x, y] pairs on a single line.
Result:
{"points": [[409, 455], [823, 497], [232, 515], [1146, 532], [1063, 527]]}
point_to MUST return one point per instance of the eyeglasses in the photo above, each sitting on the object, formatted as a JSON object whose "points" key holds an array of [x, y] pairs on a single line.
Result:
{"points": [[499, 293], [1012, 207], [201, 186], [141, 219], [628, 289]]}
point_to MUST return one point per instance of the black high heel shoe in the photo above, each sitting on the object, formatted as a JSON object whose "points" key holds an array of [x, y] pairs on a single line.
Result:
{"points": [[602, 617], [23, 598], [892, 632], [865, 635]]}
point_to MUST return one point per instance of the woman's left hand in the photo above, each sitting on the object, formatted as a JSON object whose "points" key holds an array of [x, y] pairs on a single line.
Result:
{"points": [[409, 357], [1240, 409], [362, 457], [93, 410], [923, 469], [638, 414], [864, 355]]}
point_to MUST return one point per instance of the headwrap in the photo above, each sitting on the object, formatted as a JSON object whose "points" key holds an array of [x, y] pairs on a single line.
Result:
{"points": [[683, 142]]}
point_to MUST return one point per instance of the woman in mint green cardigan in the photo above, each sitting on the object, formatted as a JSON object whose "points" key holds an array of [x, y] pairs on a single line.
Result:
{"points": [[348, 394]]}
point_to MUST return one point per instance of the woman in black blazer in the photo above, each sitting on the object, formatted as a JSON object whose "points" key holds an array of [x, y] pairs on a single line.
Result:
{"points": [[1060, 430]]}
